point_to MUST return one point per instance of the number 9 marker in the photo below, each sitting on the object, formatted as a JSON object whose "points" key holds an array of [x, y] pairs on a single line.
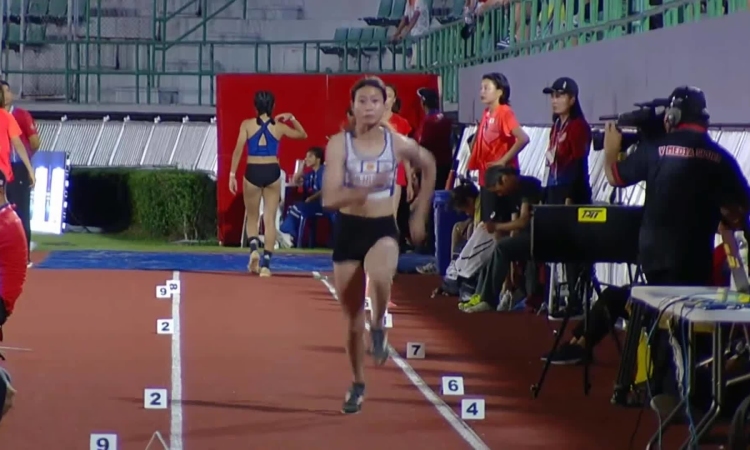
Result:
{"points": [[103, 442]]}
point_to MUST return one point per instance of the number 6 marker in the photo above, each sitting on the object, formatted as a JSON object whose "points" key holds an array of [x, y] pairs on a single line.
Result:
{"points": [[453, 386]]}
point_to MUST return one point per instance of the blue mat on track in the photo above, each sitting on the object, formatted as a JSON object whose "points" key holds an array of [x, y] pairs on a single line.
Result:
{"points": [[201, 262]]}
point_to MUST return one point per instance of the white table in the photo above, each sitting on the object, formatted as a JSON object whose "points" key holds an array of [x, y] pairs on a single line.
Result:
{"points": [[684, 302], [658, 297]]}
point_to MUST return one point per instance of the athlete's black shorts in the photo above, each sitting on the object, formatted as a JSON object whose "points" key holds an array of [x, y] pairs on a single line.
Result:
{"points": [[493, 208], [262, 175], [355, 235]]}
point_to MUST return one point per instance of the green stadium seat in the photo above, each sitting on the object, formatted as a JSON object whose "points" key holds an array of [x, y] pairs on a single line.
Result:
{"points": [[58, 11], [339, 37], [35, 35], [397, 12], [38, 9], [384, 12], [13, 35], [379, 41], [454, 14], [14, 10]]}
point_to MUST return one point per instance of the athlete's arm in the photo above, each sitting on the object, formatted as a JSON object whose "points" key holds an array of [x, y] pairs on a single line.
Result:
{"points": [[14, 134], [510, 123], [241, 140], [408, 149], [335, 195], [295, 131], [28, 127]]}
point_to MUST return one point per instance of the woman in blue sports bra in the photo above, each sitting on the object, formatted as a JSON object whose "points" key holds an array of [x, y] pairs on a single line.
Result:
{"points": [[260, 137]]}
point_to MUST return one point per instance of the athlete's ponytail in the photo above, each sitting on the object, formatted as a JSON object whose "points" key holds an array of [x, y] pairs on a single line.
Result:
{"points": [[264, 102]]}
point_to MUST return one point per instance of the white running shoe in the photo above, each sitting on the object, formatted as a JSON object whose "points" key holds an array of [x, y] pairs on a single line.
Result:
{"points": [[285, 240]]}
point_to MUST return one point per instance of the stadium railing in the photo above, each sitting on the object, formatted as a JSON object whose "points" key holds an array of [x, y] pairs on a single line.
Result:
{"points": [[60, 54]]}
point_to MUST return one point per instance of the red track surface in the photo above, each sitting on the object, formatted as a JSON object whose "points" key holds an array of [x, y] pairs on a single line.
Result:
{"points": [[264, 368]]}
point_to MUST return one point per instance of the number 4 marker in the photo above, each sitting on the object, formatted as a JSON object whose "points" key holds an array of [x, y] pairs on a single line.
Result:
{"points": [[415, 350], [472, 409]]}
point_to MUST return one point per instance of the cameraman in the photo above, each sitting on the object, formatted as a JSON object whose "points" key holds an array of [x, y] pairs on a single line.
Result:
{"points": [[692, 183]]}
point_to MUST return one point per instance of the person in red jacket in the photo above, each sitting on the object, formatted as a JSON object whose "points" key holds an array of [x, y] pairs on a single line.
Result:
{"points": [[404, 189], [13, 256]]}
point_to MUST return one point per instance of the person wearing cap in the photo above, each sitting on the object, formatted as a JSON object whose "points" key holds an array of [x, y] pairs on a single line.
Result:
{"points": [[567, 161], [499, 140], [693, 185]]}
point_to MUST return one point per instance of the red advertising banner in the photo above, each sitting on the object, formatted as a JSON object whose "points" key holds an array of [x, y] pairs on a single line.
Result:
{"points": [[318, 102]]}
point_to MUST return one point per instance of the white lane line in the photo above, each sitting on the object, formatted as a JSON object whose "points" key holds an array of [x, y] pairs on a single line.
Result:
{"points": [[175, 422], [450, 416]]}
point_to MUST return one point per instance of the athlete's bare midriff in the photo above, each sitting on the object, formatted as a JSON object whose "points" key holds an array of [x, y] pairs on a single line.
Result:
{"points": [[372, 208]]}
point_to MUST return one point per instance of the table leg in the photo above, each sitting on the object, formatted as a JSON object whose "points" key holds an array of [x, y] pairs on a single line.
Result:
{"points": [[624, 379], [717, 390]]}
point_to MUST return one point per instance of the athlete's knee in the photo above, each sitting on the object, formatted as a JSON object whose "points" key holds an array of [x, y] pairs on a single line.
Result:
{"points": [[380, 279]]}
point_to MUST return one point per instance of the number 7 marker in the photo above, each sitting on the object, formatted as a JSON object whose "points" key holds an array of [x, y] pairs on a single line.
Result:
{"points": [[415, 350]]}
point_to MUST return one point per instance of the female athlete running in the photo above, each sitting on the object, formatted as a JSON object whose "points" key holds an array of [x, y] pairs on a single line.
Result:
{"points": [[359, 181], [261, 135]]}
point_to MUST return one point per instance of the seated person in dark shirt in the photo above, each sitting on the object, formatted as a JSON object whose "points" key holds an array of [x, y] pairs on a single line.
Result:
{"points": [[311, 182], [523, 193]]}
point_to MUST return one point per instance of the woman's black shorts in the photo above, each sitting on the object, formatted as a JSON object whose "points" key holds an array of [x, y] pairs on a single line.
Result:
{"points": [[262, 175], [355, 235]]}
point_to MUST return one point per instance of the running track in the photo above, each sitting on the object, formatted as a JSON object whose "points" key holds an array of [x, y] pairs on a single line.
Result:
{"points": [[260, 365]]}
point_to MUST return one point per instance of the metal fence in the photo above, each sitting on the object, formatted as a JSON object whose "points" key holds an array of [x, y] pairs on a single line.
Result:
{"points": [[102, 51], [108, 143]]}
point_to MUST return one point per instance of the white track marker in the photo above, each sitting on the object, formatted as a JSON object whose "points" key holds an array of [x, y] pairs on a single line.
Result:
{"points": [[16, 349], [458, 424], [175, 404], [157, 438]]}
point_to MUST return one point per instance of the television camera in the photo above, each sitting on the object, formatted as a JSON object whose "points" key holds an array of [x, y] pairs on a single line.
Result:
{"points": [[643, 124]]}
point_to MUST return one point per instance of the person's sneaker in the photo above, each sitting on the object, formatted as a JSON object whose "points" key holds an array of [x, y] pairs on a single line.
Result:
{"points": [[479, 307], [428, 269], [566, 354], [253, 265], [29, 265], [506, 302], [474, 300], [354, 398], [7, 393], [285, 240], [503, 44], [379, 346]]}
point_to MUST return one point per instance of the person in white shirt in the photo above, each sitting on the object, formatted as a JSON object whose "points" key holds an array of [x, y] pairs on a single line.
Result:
{"points": [[415, 23]]}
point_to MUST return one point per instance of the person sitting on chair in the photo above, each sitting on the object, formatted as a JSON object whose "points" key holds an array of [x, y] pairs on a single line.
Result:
{"points": [[521, 192], [311, 183]]}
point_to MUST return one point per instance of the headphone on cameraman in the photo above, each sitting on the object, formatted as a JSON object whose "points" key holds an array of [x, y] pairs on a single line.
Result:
{"points": [[679, 102]]}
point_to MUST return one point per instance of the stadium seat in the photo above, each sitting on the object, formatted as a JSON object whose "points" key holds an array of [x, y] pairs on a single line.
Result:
{"points": [[38, 10], [455, 13], [384, 12], [14, 11], [339, 37], [57, 11], [397, 13], [378, 42], [35, 35], [353, 38]]}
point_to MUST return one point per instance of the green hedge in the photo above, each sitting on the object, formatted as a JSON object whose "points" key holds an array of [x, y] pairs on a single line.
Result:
{"points": [[168, 204]]}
